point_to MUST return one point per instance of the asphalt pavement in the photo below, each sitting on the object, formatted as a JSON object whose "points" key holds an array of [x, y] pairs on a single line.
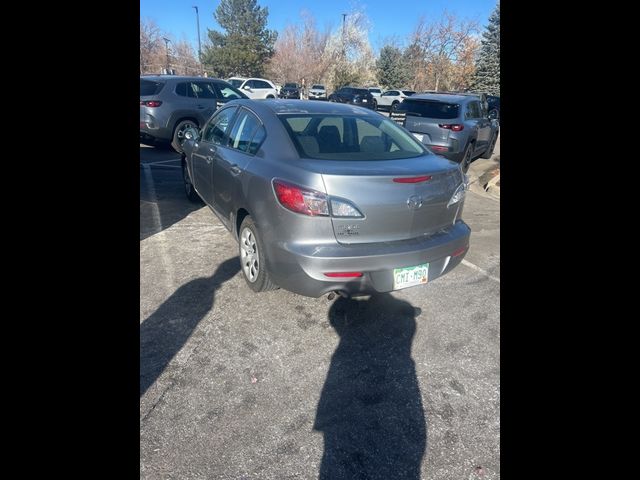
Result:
{"points": [[239, 385]]}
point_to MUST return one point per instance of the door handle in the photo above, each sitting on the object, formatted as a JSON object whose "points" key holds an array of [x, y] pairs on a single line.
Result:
{"points": [[235, 169]]}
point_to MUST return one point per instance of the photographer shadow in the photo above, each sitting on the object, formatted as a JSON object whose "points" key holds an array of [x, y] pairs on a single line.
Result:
{"points": [[370, 410]]}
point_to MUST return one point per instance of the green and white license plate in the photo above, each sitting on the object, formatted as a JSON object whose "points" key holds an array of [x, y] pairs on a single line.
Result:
{"points": [[410, 276]]}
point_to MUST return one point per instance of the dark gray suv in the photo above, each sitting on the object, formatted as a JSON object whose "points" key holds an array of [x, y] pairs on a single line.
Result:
{"points": [[456, 126], [171, 104]]}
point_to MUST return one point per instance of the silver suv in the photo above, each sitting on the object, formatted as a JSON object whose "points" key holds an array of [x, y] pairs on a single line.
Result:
{"points": [[456, 126], [170, 104]]}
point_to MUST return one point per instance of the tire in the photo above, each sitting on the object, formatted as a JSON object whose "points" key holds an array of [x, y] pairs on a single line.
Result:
{"points": [[189, 191], [394, 105], [375, 106], [178, 134], [270, 96], [489, 151], [252, 258], [468, 156]]}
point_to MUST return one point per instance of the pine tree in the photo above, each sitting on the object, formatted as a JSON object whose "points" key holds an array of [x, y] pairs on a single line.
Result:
{"points": [[487, 76], [391, 69], [247, 44]]}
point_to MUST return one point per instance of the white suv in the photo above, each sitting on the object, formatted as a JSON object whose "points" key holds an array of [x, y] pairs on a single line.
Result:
{"points": [[254, 87]]}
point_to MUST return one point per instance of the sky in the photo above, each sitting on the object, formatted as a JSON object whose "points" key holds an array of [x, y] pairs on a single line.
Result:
{"points": [[388, 19]]}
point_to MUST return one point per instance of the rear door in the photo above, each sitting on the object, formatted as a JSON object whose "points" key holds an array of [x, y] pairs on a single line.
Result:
{"points": [[480, 124], [207, 97]]}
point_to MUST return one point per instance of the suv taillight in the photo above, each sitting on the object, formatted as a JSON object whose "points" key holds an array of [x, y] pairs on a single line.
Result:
{"points": [[456, 127], [150, 103]]}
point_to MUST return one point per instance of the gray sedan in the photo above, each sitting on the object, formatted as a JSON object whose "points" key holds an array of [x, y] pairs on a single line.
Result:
{"points": [[325, 197]]}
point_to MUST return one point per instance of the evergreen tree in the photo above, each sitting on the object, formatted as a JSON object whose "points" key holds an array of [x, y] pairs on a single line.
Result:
{"points": [[247, 44], [487, 76], [391, 68]]}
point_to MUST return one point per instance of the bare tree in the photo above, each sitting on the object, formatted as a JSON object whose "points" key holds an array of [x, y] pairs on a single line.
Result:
{"points": [[151, 47], [440, 53]]}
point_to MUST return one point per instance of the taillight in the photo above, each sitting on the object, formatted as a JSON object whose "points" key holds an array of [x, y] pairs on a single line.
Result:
{"points": [[459, 252], [301, 200], [456, 127], [422, 178], [438, 148], [150, 103]]}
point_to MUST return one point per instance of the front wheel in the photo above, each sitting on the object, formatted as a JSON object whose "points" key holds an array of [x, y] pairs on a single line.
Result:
{"points": [[489, 151], [191, 193], [466, 160], [252, 258]]}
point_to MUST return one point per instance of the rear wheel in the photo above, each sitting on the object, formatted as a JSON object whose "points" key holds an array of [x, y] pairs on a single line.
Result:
{"points": [[394, 106], [375, 105], [178, 134], [270, 96], [252, 258]]}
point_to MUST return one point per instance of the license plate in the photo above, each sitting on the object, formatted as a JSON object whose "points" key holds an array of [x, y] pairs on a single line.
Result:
{"points": [[410, 276], [419, 136], [364, 101]]}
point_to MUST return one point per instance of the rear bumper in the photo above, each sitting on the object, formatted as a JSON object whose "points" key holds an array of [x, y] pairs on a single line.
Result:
{"points": [[300, 268]]}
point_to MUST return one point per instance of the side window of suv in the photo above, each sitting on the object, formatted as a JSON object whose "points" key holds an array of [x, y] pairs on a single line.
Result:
{"points": [[261, 84], [204, 90], [218, 126], [244, 132], [473, 110], [181, 89]]}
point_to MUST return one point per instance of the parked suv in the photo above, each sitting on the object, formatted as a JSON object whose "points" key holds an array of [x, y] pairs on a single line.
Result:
{"points": [[256, 88], [390, 99], [171, 104], [317, 92], [290, 90], [456, 126], [353, 95]]}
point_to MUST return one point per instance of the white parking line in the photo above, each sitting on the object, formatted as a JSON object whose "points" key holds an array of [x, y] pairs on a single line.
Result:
{"points": [[478, 269], [157, 224], [164, 161]]}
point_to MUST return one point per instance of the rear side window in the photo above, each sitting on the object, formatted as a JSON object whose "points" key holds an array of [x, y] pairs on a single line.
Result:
{"points": [[261, 84], [429, 109], [350, 137], [244, 131], [148, 87]]}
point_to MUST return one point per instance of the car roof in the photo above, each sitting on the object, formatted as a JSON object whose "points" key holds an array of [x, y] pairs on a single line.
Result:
{"points": [[278, 107], [176, 77], [443, 97]]}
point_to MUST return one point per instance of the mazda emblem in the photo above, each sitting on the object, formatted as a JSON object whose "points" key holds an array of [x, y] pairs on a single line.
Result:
{"points": [[414, 202]]}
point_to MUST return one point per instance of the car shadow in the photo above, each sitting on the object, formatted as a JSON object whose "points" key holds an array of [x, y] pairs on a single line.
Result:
{"points": [[162, 197], [370, 409], [166, 330]]}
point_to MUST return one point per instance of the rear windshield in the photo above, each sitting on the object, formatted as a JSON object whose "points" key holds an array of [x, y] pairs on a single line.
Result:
{"points": [[429, 109], [317, 87], [290, 85], [350, 137], [148, 87], [374, 90], [408, 92], [235, 83], [360, 91]]}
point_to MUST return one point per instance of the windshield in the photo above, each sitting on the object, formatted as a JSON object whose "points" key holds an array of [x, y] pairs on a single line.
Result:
{"points": [[235, 82], [290, 85], [374, 90], [230, 93], [350, 137], [317, 87]]}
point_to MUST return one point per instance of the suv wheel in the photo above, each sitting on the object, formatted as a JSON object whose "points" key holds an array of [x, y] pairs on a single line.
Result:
{"points": [[466, 159], [375, 104], [178, 134], [489, 151], [252, 258], [394, 106]]}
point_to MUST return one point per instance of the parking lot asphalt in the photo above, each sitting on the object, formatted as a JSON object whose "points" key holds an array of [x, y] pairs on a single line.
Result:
{"points": [[239, 385]]}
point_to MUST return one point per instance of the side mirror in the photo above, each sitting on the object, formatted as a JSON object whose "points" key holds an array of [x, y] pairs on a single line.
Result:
{"points": [[493, 114], [192, 134], [247, 87]]}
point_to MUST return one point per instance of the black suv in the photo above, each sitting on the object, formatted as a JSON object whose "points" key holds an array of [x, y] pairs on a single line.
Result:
{"points": [[354, 96], [290, 90], [170, 104]]}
